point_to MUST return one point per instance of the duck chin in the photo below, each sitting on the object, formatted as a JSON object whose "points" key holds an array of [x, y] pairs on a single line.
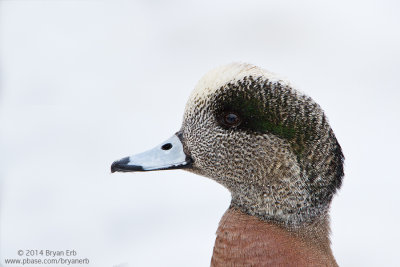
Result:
{"points": [[286, 202]]}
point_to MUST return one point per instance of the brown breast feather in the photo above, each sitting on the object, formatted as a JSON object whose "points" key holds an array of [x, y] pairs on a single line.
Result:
{"points": [[244, 240]]}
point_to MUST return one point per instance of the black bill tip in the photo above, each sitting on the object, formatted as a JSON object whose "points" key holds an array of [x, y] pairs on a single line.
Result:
{"points": [[122, 166]]}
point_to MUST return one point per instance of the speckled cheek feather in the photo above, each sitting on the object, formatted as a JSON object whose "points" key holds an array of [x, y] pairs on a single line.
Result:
{"points": [[247, 164]]}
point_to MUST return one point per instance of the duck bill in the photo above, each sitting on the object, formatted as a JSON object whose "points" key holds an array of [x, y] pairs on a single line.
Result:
{"points": [[166, 156]]}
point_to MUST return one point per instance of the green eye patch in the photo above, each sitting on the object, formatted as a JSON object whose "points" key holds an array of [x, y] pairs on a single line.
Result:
{"points": [[267, 108]]}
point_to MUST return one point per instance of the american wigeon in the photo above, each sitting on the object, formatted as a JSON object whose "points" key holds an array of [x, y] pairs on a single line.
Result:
{"points": [[273, 149]]}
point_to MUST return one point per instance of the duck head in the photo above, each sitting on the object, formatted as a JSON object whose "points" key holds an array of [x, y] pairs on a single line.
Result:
{"points": [[268, 144]]}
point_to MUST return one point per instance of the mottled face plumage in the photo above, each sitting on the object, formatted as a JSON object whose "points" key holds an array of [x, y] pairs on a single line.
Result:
{"points": [[270, 145]]}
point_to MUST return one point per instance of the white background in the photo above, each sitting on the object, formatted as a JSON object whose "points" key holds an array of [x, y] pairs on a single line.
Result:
{"points": [[84, 83]]}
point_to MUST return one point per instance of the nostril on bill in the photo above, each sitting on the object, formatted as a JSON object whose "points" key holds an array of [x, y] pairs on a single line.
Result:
{"points": [[166, 146]]}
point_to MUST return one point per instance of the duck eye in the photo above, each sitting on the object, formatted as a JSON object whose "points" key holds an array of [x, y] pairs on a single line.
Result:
{"points": [[231, 119]]}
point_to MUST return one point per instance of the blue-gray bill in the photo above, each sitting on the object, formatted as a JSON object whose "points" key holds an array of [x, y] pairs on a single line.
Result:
{"points": [[168, 155]]}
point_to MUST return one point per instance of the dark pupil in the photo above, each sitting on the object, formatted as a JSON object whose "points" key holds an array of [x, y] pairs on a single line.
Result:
{"points": [[231, 118]]}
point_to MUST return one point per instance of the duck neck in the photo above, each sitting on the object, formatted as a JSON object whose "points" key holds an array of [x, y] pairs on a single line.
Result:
{"points": [[244, 240]]}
